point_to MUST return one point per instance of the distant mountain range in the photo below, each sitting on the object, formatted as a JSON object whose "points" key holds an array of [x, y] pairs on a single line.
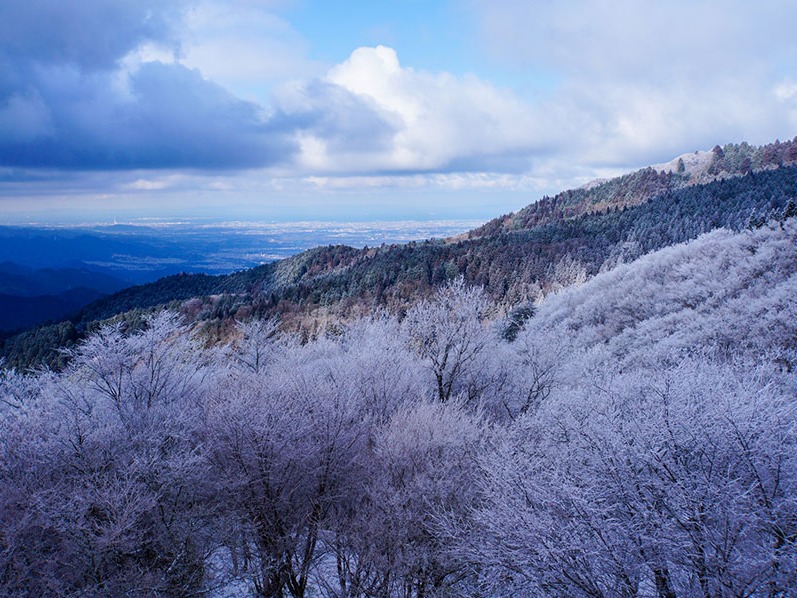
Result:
{"points": [[49, 274], [29, 297], [28, 282], [518, 258]]}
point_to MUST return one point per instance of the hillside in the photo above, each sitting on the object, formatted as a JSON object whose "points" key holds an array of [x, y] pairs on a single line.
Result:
{"points": [[513, 265], [727, 295], [22, 312], [700, 168], [31, 296], [638, 432], [518, 258]]}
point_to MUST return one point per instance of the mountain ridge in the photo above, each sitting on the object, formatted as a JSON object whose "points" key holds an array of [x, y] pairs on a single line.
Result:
{"points": [[517, 258], [634, 188]]}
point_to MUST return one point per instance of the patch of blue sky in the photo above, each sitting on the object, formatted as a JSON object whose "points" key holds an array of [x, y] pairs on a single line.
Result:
{"points": [[436, 36], [432, 36]]}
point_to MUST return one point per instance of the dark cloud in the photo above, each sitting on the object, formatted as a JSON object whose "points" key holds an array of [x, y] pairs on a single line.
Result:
{"points": [[181, 119], [345, 121], [65, 102], [92, 34], [172, 118]]}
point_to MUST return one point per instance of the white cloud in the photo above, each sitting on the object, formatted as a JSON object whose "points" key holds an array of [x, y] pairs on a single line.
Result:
{"points": [[425, 121], [245, 46], [600, 88], [651, 39], [450, 182], [647, 80], [153, 183], [786, 91]]}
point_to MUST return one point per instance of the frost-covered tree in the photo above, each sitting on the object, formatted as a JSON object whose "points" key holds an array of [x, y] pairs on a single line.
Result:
{"points": [[636, 438], [422, 465], [257, 343], [728, 293], [449, 333], [104, 489], [533, 368], [516, 319], [384, 373], [285, 445], [678, 484]]}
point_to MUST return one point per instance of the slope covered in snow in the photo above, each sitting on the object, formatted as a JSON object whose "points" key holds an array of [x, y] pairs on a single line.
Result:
{"points": [[730, 293]]}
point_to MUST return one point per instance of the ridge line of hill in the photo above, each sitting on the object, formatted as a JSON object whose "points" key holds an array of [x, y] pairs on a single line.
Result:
{"points": [[634, 188], [517, 258]]}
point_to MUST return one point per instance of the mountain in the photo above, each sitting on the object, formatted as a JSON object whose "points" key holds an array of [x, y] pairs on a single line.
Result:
{"points": [[636, 438], [687, 170], [23, 281], [634, 433], [21, 312], [517, 258], [732, 293], [60, 249], [29, 297]]}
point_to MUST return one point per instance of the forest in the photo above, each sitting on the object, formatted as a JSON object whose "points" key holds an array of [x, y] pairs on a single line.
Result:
{"points": [[631, 435]]}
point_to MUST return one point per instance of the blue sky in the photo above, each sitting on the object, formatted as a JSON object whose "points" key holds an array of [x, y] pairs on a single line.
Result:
{"points": [[301, 109]]}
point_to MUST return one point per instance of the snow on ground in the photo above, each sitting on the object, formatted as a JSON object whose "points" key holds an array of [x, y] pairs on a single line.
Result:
{"points": [[694, 163]]}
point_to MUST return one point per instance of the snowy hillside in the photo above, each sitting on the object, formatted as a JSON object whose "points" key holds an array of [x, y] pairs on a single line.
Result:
{"points": [[635, 436], [730, 294]]}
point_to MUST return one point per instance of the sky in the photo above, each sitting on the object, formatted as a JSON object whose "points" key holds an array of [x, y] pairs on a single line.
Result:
{"points": [[373, 109]]}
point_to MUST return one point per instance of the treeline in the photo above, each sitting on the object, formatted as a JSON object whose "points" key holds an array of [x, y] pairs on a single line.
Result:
{"points": [[632, 436], [510, 266], [518, 266]]}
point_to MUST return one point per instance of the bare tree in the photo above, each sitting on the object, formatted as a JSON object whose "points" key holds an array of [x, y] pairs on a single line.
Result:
{"points": [[257, 344], [104, 493], [285, 448], [670, 485], [422, 464], [448, 333]]}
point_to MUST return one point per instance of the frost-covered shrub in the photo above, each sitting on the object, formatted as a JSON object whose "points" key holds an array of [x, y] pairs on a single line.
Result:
{"points": [[682, 482]]}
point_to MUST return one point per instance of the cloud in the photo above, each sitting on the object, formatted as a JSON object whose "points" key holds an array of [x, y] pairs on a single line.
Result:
{"points": [[245, 46], [24, 117], [786, 91], [225, 85], [71, 97], [198, 123], [648, 79], [168, 117], [650, 39], [91, 34], [370, 113]]}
